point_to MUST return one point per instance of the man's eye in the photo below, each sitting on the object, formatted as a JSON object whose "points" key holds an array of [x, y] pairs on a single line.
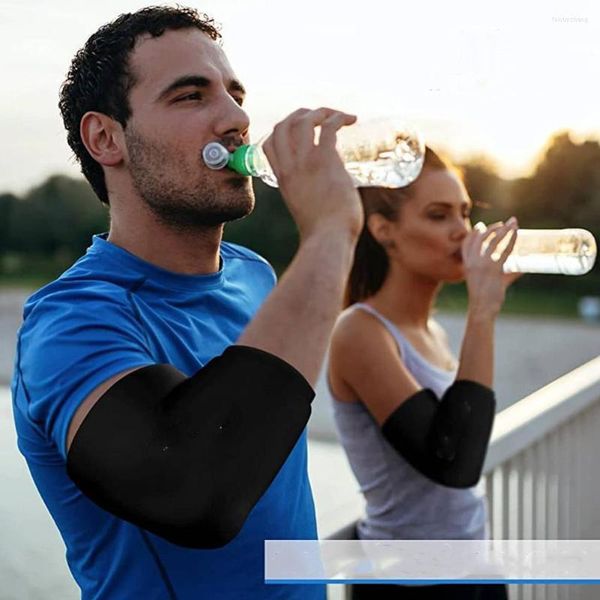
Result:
{"points": [[437, 216], [239, 100], [190, 96]]}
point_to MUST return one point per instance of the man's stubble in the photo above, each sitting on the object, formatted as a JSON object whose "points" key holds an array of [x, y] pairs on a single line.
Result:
{"points": [[181, 197]]}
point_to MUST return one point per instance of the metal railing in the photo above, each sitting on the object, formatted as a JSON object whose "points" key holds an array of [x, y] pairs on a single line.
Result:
{"points": [[542, 471]]}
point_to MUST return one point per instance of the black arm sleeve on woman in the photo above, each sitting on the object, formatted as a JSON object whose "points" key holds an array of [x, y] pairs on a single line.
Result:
{"points": [[188, 458], [445, 440]]}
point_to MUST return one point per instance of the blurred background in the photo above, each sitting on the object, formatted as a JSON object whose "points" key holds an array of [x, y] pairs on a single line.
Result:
{"points": [[508, 91]]}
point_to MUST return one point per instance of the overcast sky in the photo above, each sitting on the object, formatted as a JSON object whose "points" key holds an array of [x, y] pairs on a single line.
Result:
{"points": [[478, 77]]}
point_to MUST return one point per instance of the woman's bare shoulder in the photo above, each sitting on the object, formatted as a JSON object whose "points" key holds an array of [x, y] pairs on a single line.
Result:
{"points": [[357, 325], [365, 364]]}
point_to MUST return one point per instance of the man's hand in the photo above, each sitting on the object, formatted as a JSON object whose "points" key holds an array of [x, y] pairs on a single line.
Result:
{"points": [[313, 181]]}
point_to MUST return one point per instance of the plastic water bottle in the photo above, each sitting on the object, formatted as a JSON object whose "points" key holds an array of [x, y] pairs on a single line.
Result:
{"points": [[382, 153], [552, 251]]}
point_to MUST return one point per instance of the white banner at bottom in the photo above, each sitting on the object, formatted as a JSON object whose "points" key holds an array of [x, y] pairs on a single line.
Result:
{"points": [[432, 561]]}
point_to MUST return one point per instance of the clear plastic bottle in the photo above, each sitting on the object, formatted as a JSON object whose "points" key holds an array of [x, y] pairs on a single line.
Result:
{"points": [[551, 251], [382, 153]]}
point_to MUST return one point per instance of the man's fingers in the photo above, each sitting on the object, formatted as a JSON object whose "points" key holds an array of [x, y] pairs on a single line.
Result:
{"points": [[318, 116], [295, 135], [277, 146], [330, 127], [328, 119]]}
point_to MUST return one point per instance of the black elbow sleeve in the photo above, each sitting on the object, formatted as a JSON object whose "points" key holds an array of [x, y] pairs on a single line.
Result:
{"points": [[188, 458], [445, 440]]}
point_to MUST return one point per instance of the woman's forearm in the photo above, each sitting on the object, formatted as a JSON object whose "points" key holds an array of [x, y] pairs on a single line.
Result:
{"points": [[477, 352]]}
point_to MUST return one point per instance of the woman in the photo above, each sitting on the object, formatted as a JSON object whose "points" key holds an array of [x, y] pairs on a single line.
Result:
{"points": [[415, 424]]}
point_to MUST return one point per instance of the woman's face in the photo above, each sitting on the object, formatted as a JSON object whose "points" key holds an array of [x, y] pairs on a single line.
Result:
{"points": [[431, 226]]}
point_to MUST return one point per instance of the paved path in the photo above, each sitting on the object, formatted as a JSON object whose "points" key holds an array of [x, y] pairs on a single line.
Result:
{"points": [[11, 314], [530, 353], [32, 563]]}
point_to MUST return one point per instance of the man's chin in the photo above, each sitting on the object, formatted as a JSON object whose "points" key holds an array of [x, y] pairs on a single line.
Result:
{"points": [[242, 198], [190, 218], [238, 209]]}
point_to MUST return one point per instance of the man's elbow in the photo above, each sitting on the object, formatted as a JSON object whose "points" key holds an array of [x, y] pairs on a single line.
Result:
{"points": [[209, 530]]}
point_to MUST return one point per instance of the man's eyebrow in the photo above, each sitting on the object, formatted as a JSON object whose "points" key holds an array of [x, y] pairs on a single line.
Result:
{"points": [[197, 81]]}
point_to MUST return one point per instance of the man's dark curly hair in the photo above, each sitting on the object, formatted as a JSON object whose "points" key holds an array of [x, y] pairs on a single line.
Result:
{"points": [[100, 78]]}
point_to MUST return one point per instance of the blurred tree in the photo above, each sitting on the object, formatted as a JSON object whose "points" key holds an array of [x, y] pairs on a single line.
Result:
{"points": [[7, 204], [563, 192], [489, 192], [565, 188], [55, 220], [57, 217]]}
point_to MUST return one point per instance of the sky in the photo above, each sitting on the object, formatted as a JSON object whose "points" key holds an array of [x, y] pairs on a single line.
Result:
{"points": [[487, 78]]}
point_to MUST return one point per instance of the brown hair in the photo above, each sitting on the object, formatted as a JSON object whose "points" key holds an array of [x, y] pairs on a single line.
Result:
{"points": [[371, 262]]}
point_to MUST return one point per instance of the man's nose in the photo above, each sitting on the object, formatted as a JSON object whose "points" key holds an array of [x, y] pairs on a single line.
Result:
{"points": [[232, 118]]}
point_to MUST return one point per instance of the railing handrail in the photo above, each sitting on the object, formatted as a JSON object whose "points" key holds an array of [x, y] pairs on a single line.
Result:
{"points": [[530, 419]]}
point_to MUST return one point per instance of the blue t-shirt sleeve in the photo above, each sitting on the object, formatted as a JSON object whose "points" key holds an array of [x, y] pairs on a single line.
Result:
{"points": [[70, 343]]}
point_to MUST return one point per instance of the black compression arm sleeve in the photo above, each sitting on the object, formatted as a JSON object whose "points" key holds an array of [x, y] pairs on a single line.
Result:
{"points": [[445, 440], [188, 458]]}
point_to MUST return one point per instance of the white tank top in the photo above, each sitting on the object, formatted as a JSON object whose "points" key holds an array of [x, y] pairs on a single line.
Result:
{"points": [[400, 502]]}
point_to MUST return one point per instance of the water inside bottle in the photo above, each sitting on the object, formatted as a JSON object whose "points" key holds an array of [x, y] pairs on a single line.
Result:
{"points": [[563, 264], [558, 251], [396, 167], [383, 153]]}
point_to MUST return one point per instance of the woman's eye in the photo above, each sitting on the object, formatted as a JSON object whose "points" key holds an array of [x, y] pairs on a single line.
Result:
{"points": [[239, 100]]}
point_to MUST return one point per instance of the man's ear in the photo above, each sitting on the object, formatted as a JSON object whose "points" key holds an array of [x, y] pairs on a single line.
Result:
{"points": [[103, 138]]}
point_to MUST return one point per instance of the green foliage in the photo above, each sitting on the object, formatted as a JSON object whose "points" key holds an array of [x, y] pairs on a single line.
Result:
{"points": [[489, 192], [563, 192], [520, 300], [565, 189], [7, 203], [44, 231]]}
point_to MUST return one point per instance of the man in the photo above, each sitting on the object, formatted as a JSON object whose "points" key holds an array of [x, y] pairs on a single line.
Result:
{"points": [[161, 388]]}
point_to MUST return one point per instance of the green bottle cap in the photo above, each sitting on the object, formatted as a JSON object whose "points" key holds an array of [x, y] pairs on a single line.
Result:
{"points": [[238, 160]]}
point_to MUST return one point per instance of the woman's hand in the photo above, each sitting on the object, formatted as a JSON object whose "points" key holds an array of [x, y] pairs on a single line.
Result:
{"points": [[486, 281]]}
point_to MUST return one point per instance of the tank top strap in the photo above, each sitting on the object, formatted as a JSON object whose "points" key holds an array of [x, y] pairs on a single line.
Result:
{"points": [[403, 344], [427, 374]]}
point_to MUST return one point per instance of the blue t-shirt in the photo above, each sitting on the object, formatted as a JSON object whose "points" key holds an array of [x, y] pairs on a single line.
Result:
{"points": [[110, 312]]}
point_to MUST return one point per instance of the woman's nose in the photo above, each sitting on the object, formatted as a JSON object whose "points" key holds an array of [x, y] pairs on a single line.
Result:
{"points": [[461, 229]]}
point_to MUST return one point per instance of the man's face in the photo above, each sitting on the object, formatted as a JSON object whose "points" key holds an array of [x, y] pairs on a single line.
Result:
{"points": [[185, 95]]}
